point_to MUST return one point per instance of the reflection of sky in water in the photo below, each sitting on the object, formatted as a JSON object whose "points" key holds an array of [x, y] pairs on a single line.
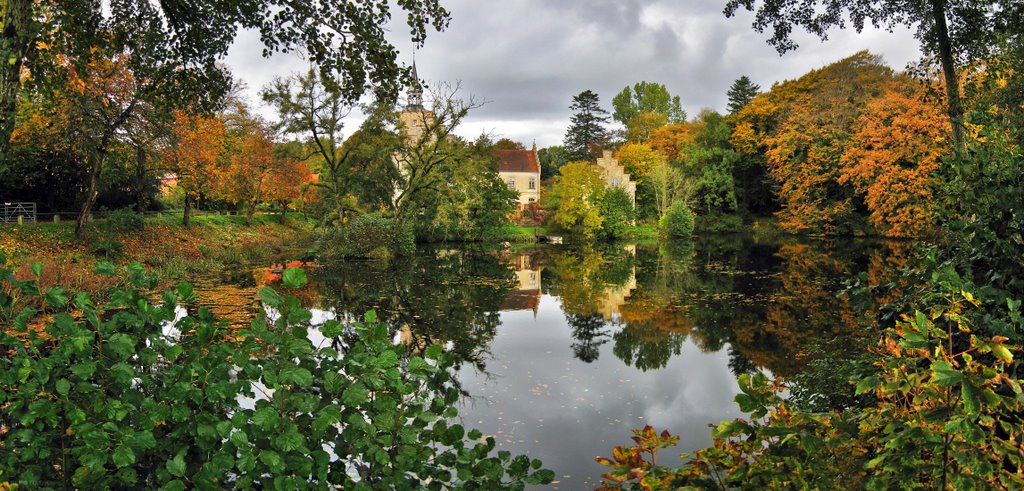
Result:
{"points": [[538, 399]]}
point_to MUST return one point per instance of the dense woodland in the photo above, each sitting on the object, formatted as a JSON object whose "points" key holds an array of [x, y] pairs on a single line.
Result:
{"points": [[102, 108]]}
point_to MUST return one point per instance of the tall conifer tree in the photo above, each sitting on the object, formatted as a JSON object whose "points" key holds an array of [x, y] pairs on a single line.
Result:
{"points": [[586, 129]]}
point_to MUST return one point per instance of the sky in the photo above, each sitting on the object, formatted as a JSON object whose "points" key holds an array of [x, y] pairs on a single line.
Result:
{"points": [[526, 59]]}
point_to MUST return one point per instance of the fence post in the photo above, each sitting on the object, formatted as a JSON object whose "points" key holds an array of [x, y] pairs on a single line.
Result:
{"points": [[21, 220], [56, 218]]}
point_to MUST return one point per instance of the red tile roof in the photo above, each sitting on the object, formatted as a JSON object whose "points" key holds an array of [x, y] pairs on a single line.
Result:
{"points": [[517, 161]]}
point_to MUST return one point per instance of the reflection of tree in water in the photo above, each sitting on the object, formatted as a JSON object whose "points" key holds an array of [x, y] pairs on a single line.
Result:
{"points": [[646, 346], [437, 297], [588, 333]]}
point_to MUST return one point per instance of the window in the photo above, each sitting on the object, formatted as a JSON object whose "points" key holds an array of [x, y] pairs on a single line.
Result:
{"points": [[512, 182], [533, 182]]}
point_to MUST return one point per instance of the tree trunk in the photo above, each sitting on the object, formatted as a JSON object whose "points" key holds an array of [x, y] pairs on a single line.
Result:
{"points": [[140, 179], [91, 194], [188, 208], [15, 42], [249, 214], [954, 108]]}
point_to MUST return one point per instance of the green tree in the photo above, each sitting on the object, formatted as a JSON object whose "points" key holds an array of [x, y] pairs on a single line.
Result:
{"points": [[740, 93], [552, 159], [315, 112], [955, 32], [586, 131], [182, 44], [618, 212], [581, 190], [646, 97]]}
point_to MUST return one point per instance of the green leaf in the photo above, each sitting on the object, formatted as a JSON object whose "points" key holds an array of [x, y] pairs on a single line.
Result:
{"points": [[294, 277], [355, 395], [56, 297], [240, 439], [63, 386], [271, 298], [272, 459], [105, 268], [970, 397], [331, 329], [1002, 353], [124, 456], [293, 374], [944, 374], [265, 418], [37, 269], [176, 466]]}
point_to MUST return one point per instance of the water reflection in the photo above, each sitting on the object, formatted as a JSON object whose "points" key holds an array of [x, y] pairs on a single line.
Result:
{"points": [[566, 349]]}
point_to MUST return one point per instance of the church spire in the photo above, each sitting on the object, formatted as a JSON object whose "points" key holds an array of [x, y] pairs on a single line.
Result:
{"points": [[415, 93]]}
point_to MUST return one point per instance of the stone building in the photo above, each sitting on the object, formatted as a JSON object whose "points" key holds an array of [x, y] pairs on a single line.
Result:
{"points": [[520, 169], [615, 175]]}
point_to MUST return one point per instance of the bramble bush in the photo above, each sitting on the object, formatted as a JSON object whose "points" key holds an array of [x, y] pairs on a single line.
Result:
{"points": [[125, 396]]}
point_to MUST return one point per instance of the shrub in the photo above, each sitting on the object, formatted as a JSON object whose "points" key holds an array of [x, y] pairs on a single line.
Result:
{"points": [[363, 235], [123, 221], [115, 399], [618, 212], [678, 221]]}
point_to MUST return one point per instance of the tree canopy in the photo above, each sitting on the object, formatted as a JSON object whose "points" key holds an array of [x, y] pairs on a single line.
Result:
{"points": [[586, 128]]}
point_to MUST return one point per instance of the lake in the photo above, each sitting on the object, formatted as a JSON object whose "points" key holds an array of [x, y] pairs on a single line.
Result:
{"points": [[564, 349]]}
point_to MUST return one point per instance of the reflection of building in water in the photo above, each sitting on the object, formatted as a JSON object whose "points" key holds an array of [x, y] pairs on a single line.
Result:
{"points": [[614, 296], [526, 296]]}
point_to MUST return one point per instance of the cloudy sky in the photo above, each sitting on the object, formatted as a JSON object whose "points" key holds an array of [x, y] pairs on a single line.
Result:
{"points": [[528, 58]]}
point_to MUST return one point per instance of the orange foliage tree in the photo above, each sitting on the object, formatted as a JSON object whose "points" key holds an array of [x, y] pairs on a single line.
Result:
{"points": [[802, 126], [192, 153], [670, 140], [895, 151], [244, 175]]}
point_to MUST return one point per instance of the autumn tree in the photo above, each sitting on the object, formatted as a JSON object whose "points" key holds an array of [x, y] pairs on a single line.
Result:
{"points": [[894, 153], [245, 174], [191, 152], [952, 31], [670, 140], [586, 131], [803, 127], [740, 93], [182, 44], [98, 102], [580, 191]]}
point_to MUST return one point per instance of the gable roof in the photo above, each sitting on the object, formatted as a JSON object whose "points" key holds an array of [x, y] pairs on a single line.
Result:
{"points": [[517, 161]]}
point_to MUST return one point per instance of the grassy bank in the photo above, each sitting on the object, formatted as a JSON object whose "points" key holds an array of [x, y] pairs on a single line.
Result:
{"points": [[167, 249]]}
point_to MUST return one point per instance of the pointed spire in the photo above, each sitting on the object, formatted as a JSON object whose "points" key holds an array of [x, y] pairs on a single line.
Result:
{"points": [[415, 93]]}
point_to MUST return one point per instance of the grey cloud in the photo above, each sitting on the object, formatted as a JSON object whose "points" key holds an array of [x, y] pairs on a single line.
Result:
{"points": [[529, 57]]}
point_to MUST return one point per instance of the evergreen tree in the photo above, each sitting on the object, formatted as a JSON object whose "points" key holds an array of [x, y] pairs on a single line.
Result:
{"points": [[586, 129], [740, 93]]}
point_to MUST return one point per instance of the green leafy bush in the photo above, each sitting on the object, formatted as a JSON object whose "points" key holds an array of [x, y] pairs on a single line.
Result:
{"points": [[364, 235], [618, 212], [123, 221], [678, 221], [117, 399]]}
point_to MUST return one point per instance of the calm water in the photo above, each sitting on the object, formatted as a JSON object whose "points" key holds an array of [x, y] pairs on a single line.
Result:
{"points": [[565, 350]]}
